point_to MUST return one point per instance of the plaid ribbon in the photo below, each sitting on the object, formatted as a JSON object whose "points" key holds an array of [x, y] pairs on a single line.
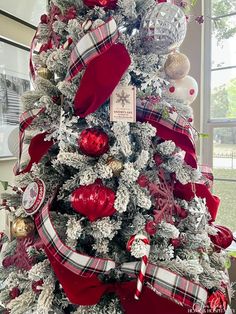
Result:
{"points": [[170, 126], [207, 175], [91, 45], [26, 119], [162, 281]]}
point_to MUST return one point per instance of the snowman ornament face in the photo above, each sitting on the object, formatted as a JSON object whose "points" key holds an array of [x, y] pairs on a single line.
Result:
{"points": [[185, 89]]}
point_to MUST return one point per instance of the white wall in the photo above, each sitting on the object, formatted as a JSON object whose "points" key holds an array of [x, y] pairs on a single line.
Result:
{"points": [[29, 10], [6, 171]]}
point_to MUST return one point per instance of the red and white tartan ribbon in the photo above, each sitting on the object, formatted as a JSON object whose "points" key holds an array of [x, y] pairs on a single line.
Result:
{"points": [[92, 45], [26, 119], [162, 281], [207, 175], [170, 127], [144, 262]]}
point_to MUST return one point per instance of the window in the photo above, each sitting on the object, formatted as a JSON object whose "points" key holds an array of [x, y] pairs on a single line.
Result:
{"points": [[219, 111], [17, 8]]}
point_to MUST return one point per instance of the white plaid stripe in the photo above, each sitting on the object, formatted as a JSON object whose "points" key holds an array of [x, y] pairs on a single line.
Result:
{"points": [[89, 46], [23, 156]]}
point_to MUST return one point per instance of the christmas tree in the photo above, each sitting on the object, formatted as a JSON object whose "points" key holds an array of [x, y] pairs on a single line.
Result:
{"points": [[111, 212]]}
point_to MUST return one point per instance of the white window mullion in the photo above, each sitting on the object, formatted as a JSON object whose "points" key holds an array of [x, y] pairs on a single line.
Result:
{"points": [[206, 147]]}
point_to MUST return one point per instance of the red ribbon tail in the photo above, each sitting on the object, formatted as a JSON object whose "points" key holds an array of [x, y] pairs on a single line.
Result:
{"points": [[37, 149]]}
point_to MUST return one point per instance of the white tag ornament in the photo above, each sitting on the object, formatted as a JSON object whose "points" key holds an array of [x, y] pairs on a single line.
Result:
{"points": [[123, 104], [33, 197]]}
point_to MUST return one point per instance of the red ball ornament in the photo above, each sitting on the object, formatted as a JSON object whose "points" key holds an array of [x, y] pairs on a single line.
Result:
{"points": [[176, 243], [107, 4], [93, 201], [183, 213], [172, 89], [93, 142], [223, 238], [143, 181], [151, 228], [14, 293], [158, 159]]}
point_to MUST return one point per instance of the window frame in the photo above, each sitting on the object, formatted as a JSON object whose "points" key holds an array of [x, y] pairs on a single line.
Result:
{"points": [[208, 124]]}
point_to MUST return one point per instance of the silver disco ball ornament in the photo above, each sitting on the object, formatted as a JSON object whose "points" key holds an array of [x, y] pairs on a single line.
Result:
{"points": [[163, 28]]}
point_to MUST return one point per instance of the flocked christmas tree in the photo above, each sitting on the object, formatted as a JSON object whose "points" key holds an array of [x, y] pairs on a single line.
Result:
{"points": [[111, 212]]}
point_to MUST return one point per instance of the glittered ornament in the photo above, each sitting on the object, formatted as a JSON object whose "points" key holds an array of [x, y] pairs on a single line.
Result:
{"points": [[14, 293], [93, 201], [177, 66], [115, 165], [223, 238], [45, 73], [185, 89], [176, 242], [22, 227], [93, 142], [107, 4], [163, 28]]}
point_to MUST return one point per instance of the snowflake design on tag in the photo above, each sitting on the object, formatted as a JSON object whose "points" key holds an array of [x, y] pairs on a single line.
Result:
{"points": [[123, 98]]}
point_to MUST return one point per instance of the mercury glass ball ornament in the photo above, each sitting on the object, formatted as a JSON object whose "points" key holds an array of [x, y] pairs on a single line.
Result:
{"points": [[163, 28], [45, 73], [116, 165], [22, 227]]}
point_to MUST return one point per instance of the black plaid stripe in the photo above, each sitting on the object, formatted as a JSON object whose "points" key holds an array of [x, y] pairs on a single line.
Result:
{"points": [[96, 44], [90, 51]]}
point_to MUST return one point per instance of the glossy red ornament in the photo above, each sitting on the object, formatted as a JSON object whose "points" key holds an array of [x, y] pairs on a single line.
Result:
{"points": [[151, 228], [93, 142], [223, 238], [107, 4], [93, 201]]}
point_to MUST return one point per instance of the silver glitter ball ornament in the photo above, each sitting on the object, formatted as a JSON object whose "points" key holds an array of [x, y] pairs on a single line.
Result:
{"points": [[163, 28]]}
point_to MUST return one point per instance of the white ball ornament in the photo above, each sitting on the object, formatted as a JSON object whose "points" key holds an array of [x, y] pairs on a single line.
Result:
{"points": [[185, 89], [13, 142]]}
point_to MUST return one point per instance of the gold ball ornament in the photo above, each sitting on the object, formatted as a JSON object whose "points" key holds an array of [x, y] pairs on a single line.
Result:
{"points": [[115, 165], [177, 66], [44, 73], [22, 227]]}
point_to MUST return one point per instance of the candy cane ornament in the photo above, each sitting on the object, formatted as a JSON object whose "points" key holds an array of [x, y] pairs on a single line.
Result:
{"points": [[144, 260]]}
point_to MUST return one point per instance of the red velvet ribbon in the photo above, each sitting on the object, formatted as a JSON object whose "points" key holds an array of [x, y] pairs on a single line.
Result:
{"points": [[188, 191], [100, 79], [88, 290], [37, 149]]}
